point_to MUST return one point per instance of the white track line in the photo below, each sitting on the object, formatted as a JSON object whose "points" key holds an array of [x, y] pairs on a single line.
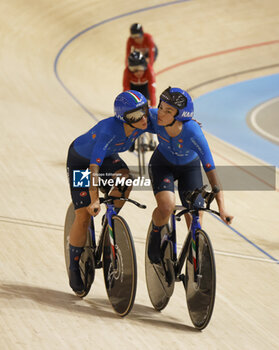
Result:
{"points": [[241, 256], [137, 240], [253, 120]]}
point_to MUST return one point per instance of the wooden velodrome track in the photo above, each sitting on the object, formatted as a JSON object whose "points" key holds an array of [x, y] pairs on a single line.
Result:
{"points": [[53, 76]]}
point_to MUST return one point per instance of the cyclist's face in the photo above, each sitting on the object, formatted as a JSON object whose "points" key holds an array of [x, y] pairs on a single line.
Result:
{"points": [[138, 39], [139, 73], [142, 124], [166, 113]]}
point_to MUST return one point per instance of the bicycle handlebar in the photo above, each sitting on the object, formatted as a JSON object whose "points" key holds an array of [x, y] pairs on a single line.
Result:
{"points": [[110, 199], [208, 198], [191, 197]]}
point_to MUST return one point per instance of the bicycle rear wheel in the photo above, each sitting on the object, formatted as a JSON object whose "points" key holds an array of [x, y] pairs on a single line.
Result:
{"points": [[200, 294], [159, 287], [87, 262], [120, 275]]}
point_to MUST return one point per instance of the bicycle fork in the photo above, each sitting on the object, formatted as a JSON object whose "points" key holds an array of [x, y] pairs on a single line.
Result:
{"points": [[194, 246], [110, 212]]}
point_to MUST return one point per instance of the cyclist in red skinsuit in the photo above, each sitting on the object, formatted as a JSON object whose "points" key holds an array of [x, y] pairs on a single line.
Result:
{"points": [[139, 76], [142, 42]]}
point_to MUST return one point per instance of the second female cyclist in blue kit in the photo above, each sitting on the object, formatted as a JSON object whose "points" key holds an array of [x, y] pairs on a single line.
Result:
{"points": [[182, 145]]}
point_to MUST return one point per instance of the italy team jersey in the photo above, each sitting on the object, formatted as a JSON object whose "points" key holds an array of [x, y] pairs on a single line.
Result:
{"points": [[104, 139], [185, 147], [108, 137]]}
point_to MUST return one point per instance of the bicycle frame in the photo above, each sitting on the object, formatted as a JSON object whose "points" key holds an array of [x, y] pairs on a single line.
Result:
{"points": [[190, 239], [171, 237], [110, 212]]}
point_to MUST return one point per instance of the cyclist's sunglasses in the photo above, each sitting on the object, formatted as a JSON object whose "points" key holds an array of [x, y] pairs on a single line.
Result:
{"points": [[136, 36], [136, 115]]}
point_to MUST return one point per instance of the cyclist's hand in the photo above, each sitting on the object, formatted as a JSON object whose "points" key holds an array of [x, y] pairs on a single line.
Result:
{"points": [[226, 217], [94, 208]]}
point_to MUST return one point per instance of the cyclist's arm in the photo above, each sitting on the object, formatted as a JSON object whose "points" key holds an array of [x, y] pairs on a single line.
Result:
{"points": [[151, 86], [128, 51], [126, 80], [200, 145], [151, 49], [96, 160], [214, 181]]}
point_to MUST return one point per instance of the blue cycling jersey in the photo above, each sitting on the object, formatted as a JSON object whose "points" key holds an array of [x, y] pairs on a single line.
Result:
{"points": [[185, 147], [104, 139], [108, 137]]}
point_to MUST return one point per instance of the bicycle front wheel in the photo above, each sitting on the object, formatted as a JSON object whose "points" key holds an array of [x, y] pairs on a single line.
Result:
{"points": [[200, 287], [120, 273]]}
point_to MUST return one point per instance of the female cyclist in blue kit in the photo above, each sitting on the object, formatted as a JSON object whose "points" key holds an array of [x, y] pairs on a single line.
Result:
{"points": [[98, 150], [182, 145]]}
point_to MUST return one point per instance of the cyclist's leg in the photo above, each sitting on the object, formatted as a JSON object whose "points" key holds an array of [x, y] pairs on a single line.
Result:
{"points": [[160, 172], [160, 217], [79, 228], [189, 178], [77, 237], [165, 206], [77, 241]]}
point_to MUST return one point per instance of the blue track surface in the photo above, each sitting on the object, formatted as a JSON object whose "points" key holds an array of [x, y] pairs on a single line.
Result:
{"points": [[223, 114]]}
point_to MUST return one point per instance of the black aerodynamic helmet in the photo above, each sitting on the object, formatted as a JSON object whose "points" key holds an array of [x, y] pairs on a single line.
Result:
{"points": [[136, 60], [136, 29]]}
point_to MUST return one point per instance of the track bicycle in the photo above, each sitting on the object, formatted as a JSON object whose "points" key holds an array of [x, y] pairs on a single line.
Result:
{"points": [[114, 252], [197, 253]]}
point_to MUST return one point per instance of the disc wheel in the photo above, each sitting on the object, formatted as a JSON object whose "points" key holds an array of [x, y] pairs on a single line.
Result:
{"points": [[120, 274], [200, 294], [160, 287]]}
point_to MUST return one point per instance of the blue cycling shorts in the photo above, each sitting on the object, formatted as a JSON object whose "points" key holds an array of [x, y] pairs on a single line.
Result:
{"points": [[163, 174]]}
